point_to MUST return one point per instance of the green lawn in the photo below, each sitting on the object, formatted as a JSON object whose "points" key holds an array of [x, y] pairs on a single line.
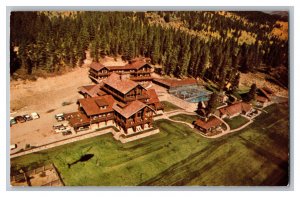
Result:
{"points": [[257, 155], [185, 118], [169, 106], [236, 122]]}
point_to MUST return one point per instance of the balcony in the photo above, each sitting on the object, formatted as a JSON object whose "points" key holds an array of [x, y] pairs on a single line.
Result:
{"points": [[137, 122], [103, 74], [144, 71], [102, 119], [115, 94], [139, 97]]}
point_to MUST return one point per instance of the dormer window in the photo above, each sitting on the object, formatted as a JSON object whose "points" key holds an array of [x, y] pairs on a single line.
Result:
{"points": [[103, 107]]}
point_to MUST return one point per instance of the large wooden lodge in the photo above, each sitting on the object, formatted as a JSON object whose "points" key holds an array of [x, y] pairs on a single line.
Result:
{"points": [[138, 70], [117, 101]]}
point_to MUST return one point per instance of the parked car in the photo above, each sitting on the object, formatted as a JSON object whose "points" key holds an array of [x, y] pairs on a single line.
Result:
{"points": [[59, 117], [20, 119], [12, 121], [13, 146], [35, 115], [82, 128], [57, 126], [63, 129], [68, 132], [27, 117]]}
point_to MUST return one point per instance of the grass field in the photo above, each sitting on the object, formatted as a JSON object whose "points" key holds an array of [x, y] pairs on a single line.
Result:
{"points": [[257, 155], [169, 106], [185, 118], [236, 121]]}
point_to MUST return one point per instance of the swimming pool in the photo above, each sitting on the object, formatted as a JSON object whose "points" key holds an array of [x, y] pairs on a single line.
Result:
{"points": [[192, 94], [198, 99]]}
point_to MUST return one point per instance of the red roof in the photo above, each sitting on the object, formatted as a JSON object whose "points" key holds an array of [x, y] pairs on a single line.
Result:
{"points": [[131, 66], [175, 83], [236, 108], [77, 119], [153, 98], [265, 93], [92, 90], [91, 105], [261, 99], [96, 66], [122, 85], [130, 109], [210, 123]]}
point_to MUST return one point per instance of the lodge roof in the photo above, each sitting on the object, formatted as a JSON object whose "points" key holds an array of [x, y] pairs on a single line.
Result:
{"points": [[171, 83], [130, 66], [261, 99], [122, 85], [77, 119], [91, 106], [236, 108], [130, 109], [96, 66], [101, 102], [153, 98], [210, 123], [263, 91], [92, 90]]}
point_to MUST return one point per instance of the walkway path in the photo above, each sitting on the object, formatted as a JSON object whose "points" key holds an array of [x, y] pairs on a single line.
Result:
{"points": [[167, 116]]}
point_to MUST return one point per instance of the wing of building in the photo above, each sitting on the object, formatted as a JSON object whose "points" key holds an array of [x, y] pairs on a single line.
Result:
{"points": [[116, 101]]}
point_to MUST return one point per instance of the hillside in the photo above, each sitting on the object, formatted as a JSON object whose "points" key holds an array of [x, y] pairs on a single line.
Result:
{"points": [[211, 45]]}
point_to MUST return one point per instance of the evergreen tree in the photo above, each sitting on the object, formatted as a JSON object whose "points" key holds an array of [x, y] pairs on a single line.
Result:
{"points": [[212, 103], [252, 93]]}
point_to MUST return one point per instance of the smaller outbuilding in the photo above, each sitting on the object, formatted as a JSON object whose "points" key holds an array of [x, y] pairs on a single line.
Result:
{"points": [[235, 110], [207, 126]]}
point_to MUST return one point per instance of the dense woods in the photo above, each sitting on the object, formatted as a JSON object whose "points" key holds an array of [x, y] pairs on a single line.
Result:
{"points": [[197, 44]]}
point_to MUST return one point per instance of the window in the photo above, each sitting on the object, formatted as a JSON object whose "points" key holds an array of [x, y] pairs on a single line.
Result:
{"points": [[139, 114]]}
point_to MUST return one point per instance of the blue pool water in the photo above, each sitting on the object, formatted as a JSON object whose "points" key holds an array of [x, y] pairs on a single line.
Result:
{"points": [[198, 99]]}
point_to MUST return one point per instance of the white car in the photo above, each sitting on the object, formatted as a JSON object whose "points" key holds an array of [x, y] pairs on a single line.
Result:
{"points": [[35, 115], [13, 146], [59, 117]]}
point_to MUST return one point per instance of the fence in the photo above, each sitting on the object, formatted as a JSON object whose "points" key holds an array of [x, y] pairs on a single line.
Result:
{"points": [[26, 176]]}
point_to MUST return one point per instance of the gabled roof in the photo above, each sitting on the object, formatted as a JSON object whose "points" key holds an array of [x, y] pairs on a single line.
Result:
{"points": [[130, 109], [101, 102], [96, 66], [153, 98], [265, 93], [92, 90], [122, 85], [236, 108], [134, 65], [246, 107], [261, 99], [210, 123], [91, 107]]}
